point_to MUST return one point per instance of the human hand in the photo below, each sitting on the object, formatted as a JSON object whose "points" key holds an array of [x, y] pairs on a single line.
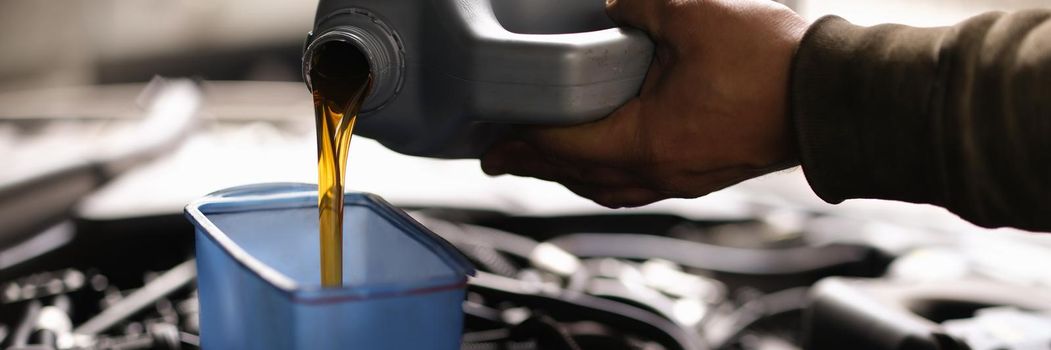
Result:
{"points": [[712, 110]]}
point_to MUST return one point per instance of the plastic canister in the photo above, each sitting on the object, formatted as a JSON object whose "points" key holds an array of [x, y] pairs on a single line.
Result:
{"points": [[259, 275], [450, 76]]}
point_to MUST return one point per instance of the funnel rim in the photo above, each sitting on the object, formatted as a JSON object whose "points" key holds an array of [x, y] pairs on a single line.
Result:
{"points": [[276, 196]]}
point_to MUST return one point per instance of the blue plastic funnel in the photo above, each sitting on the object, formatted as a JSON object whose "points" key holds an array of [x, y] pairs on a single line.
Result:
{"points": [[259, 275]]}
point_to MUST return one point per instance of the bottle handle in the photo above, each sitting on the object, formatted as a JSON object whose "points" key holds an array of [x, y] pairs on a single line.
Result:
{"points": [[549, 78]]}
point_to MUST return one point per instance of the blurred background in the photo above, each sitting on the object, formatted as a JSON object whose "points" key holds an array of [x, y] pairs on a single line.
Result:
{"points": [[100, 157]]}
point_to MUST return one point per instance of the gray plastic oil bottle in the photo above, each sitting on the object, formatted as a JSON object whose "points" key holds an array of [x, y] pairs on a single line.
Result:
{"points": [[450, 76]]}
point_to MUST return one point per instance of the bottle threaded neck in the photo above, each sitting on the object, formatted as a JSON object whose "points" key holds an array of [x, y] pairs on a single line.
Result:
{"points": [[379, 46]]}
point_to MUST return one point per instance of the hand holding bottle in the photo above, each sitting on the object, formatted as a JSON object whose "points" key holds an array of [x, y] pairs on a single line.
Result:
{"points": [[713, 110]]}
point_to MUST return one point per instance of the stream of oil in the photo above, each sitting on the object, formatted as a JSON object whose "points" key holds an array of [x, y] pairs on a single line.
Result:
{"points": [[340, 79]]}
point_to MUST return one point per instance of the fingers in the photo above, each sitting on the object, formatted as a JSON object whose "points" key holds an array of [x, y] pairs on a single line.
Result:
{"points": [[519, 159], [609, 187], [642, 14], [613, 141], [505, 155], [625, 197]]}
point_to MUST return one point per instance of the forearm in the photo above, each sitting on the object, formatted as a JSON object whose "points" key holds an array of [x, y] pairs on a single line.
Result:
{"points": [[958, 117]]}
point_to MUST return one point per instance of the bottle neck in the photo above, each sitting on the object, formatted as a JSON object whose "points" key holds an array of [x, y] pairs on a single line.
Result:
{"points": [[377, 43]]}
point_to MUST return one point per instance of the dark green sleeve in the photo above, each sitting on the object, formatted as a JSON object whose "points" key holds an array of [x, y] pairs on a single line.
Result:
{"points": [[958, 117]]}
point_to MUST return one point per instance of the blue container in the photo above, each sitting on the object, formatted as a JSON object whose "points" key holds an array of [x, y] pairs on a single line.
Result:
{"points": [[259, 275]]}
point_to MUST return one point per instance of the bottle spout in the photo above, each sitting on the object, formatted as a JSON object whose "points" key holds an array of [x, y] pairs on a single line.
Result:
{"points": [[375, 42]]}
